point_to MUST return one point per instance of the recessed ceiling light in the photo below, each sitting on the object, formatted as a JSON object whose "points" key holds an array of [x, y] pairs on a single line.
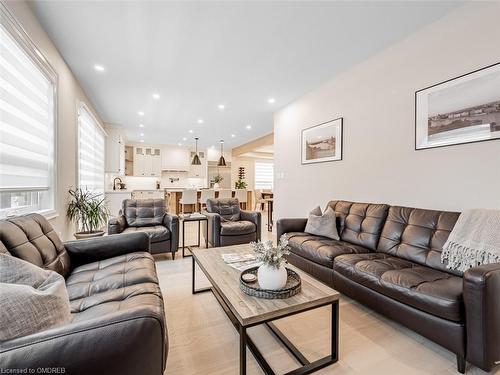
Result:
{"points": [[184, 138], [248, 127], [221, 107], [141, 125], [190, 130], [142, 141], [140, 113], [271, 100], [142, 134], [233, 135], [156, 96], [99, 68], [200, 121]]}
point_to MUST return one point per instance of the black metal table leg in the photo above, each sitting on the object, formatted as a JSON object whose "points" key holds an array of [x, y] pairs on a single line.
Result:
{"points": [[193, 277], [243, 350], [183, 238]]}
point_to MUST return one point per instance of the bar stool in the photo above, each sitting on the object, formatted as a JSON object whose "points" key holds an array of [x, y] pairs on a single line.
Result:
{"points": [[189, 197], [225, 193], [259, 199], [206, 194], [241, 195]]}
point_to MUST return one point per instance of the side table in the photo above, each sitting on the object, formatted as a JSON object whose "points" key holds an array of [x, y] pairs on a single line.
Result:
{"points": [[199, 219]]}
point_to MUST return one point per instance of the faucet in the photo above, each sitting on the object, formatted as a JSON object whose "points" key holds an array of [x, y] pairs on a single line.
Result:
{"points": [[114, 182]]}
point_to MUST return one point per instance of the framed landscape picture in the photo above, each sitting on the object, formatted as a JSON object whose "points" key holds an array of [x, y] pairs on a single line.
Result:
{"points": [[322, 142], [461, 110]]}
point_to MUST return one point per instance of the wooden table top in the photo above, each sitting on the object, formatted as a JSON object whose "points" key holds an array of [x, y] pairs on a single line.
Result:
{"points": [[252, 310]]}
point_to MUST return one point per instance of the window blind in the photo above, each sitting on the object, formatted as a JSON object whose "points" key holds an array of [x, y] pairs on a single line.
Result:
{"points": [[264, 175], [90, 152], [27, 123]]}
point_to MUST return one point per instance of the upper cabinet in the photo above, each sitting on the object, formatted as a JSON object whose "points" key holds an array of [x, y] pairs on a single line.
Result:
{"points": [[147, 162], [175, 159], [115, 151]]}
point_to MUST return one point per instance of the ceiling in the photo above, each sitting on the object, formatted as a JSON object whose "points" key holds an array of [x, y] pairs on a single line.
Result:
{"points": [[197, 55]]}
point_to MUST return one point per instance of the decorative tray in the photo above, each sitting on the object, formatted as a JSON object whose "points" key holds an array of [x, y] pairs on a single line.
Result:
{"points": [[292, 287]]}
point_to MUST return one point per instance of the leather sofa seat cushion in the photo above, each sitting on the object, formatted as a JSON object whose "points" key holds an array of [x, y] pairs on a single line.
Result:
{"points": [[235, 228], [435, 292], [321, 250], [156, 233], [110, 275]]}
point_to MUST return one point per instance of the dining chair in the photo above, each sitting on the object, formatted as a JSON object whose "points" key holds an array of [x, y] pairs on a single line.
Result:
{"points": [[189, 197], [259, 199], [205, 194]]}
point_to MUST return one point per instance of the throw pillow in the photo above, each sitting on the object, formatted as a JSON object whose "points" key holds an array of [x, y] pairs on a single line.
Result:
{"points": [[32, 300], [322, 224]]}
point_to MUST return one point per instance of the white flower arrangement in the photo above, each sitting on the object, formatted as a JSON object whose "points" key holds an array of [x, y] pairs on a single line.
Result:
{"points": [[272, 256]]}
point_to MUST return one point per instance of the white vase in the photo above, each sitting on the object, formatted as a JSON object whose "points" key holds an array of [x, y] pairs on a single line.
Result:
{"points": [[216, 186], [272, 278]]}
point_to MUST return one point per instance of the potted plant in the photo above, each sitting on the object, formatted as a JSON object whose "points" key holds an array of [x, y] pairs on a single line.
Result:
{"points": [[88, 211], [240, 184], [217, 179], [272, 273]]}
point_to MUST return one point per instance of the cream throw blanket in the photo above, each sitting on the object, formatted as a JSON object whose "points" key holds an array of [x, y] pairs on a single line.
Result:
{"points": [[474, 240]]}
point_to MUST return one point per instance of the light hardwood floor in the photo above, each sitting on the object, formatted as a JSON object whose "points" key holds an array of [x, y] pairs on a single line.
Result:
{"points": [[203, 340]]}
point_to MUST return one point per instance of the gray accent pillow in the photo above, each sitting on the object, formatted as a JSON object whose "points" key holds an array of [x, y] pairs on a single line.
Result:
{"points": [[322, 224], [33, 299]]}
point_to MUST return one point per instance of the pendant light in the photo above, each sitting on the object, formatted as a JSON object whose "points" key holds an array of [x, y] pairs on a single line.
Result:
{"points": [[196, 158], [222, 161]]}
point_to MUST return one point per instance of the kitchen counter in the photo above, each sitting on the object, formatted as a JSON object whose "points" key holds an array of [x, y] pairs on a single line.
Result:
{"points": [[120, 191], [173, 197]]}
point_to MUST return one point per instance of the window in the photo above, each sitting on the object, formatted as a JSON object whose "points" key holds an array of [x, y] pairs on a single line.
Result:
{"points": [[27, 124], [90, 152], [264, 175]]}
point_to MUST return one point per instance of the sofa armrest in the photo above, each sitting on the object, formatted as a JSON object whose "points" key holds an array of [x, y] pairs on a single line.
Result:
{"points": [[125, 343], [172, 223], [288, 225], [117, 224], [213, 224], [482, 310], [254, 217], [95, 249]]}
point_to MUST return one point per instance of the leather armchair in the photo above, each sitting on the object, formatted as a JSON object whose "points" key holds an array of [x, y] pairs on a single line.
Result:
{"points": [[119, 323], [148, 216], [229, 225]]}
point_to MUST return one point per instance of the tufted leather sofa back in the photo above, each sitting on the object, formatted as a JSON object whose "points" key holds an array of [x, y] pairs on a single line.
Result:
{"points": [[417, 235], [360, 223], [227, 208], [143, 212], [32, 238]]}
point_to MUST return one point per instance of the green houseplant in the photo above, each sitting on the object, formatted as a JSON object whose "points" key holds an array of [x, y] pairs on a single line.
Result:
{"points": [[88, 211], [240, 184], [217, 179]]}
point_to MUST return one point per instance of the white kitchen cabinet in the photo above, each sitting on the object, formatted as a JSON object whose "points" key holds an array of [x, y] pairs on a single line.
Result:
{"points": [[175, 159], [114, 201], [198, 171], [115, 151], [147, 162], [148, 194]]}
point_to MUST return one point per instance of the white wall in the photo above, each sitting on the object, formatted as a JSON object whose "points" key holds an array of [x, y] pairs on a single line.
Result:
{"points": [[70, 94], [376, 100]]}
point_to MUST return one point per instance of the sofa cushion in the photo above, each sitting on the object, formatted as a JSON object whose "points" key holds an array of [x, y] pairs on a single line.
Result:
{"points": [[110, 274], [320, 250], [235, 228], [32, 238], [360, 223], [322, 224], [430, 290], [227, 208], [143, 212], [417, 235], [157, 233]]}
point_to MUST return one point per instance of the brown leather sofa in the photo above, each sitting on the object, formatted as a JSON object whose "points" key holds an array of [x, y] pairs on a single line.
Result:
{"points": [[389, 258], [148, 216], [118, 322], [228, 225]]}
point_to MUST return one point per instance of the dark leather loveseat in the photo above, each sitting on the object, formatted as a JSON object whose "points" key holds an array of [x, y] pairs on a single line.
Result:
{"points": [[118, 322], [148, 216], [228, 225], [389, 258]]}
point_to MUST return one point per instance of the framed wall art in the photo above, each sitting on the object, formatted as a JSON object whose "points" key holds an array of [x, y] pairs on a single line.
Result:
{"points": [[322, 142], [461, 110]]}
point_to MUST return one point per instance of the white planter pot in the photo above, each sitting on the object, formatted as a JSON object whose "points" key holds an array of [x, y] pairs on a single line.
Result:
{"points": [[272, 278], [216, 186]]}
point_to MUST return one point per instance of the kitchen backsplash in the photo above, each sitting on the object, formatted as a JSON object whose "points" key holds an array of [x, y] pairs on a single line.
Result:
{"points": [[167, 180]]}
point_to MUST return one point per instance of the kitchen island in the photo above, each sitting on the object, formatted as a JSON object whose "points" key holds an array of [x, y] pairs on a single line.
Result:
{"points": [[173, 196]]}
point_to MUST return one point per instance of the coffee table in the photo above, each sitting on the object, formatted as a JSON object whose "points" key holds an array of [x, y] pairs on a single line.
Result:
{"points": [[245, 311]]}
